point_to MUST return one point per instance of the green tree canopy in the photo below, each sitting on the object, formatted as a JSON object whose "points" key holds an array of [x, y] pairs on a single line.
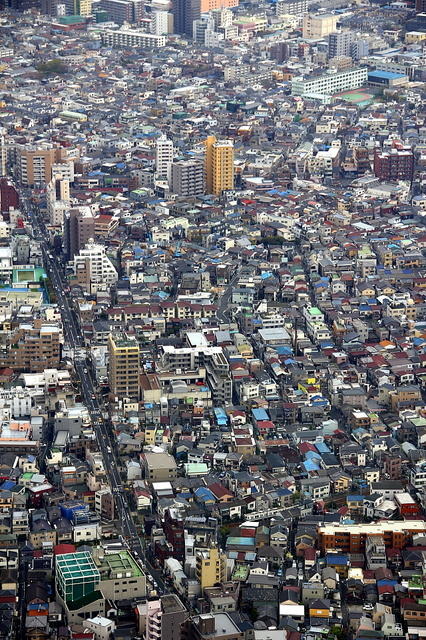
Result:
{"points": [[52, 67]]}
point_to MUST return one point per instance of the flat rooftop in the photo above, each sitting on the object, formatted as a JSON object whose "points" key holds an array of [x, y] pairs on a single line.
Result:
{"points": [[79, 565], [223, 625], [374, 527], [171, 604], [120, 563]]}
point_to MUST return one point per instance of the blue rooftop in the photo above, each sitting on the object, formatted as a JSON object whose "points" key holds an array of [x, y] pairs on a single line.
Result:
{"points": [[310, 465], [259, 414], [322, 447], [385, 74], [336, 559], [204, 494]]}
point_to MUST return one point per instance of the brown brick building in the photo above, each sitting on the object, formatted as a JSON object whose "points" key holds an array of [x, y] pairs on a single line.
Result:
{"points": [[395, 164], [32, 347], [351, 538]]}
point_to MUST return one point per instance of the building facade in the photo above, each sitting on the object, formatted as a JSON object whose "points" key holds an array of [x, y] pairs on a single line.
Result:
{"points": [[32, 347], [339, 44], [34, 163], [329, 83], [186, 11], [210, 567], [291, 7], [352, 538], [92, 269], [187, 178], [124, 352], [395, 164], [164, 618], [316, 27], [125, 37], [219, 165], [163, 157]]}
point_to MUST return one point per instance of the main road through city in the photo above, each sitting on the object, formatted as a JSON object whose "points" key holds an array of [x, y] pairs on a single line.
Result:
{"points": [[102, 428]]}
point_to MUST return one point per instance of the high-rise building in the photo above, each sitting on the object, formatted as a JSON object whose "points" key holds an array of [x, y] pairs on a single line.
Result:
{"points": [[164, 618], [339, 43], [22, 5], [34, 163], [92, 269], [219, 165], [186, 11], [78, 7], [210, 567], [57, 199], [291, 7], [124, 353], [160, 23], [79, 229], [163, 157], [3, 156], [317, 26], [279, 51], [131, 38], [49, 7], [222, 18], [9, 198], [32, 347], [187, 178], [211, 358], [420, 6], [395, 164], [200, 26], [120, 11], [359, 48]]}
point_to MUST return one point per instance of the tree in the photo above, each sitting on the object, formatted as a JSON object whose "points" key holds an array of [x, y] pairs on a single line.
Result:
{"points": [[337, 631], [52, 67], [271, 240]]}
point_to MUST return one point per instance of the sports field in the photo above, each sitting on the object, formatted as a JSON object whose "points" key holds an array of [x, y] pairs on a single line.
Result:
{"points": [[357, 96]]}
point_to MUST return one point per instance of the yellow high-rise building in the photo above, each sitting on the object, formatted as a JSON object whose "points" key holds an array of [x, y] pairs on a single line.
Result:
{"points": [[83, 7], [219, 163], [124, 372], [210, 567]]}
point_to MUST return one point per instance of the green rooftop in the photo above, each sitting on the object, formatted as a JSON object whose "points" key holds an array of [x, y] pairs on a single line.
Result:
{"points": [[240, 572], [76, 575], [119, 565], [33, 274], [314, 311]]}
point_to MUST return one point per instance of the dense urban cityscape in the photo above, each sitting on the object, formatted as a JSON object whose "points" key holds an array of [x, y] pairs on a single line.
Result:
{"points": [[212, 320]]}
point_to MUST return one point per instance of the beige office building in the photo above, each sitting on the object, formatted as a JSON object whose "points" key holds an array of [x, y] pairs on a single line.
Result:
{"points": [[316, 27], [34, 163]]}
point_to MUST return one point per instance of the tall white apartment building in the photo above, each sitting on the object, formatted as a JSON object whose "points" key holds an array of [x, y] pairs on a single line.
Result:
{"points": [[93, 269], [163, 157], [160, 23]]}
